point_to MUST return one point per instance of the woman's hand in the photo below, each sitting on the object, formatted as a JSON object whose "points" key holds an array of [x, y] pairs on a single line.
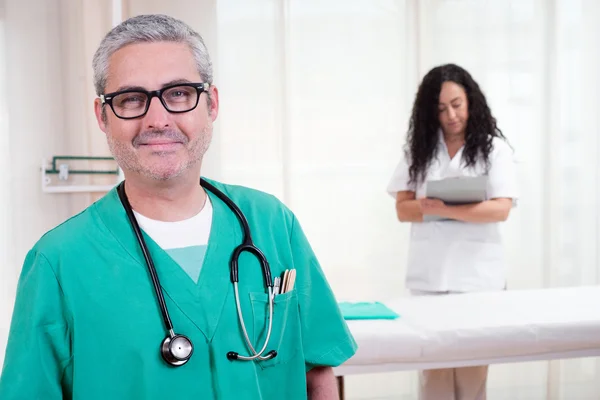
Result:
{"points": [[432, 206], [495, 210]]}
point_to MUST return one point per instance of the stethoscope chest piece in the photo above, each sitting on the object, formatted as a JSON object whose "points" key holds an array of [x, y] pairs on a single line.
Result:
{"points": [[176, 350]]}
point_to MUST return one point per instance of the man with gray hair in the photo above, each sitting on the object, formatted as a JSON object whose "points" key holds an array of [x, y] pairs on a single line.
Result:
{"points": [[172, 286]]}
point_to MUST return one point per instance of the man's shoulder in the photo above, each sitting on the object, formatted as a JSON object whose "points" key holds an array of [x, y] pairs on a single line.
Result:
{"points": [[247, 197], [68, 234], [258, 206]]}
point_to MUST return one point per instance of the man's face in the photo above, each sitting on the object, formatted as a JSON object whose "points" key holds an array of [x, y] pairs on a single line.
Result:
{"points": [[159, 145]]}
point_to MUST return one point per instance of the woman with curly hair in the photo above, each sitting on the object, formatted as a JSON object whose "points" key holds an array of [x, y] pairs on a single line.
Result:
{"points": [[454, 248]]}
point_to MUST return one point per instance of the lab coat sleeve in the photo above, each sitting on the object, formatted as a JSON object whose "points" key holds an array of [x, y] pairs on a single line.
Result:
{"points": [[399, 181], [326, 339], [38, 349], [502, 181]]}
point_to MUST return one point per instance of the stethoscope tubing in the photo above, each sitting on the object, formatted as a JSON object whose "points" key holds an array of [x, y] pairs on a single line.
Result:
{"points": [[247, 245], [269, 330], [151, 268]]}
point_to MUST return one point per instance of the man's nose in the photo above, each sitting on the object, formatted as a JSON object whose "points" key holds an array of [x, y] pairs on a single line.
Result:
{"points": [[157, 116]]}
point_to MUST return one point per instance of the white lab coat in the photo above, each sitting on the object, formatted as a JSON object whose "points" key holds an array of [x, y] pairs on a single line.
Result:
{"points": [[453, 255]]}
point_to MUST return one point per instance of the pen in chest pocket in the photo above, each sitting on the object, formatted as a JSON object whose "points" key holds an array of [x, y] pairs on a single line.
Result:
{"points": [[284, 278], [276, 285], [291, 280], [288, 280]]}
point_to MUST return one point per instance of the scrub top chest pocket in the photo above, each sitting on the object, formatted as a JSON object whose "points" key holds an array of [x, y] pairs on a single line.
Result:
{"points": [[285, 336]]}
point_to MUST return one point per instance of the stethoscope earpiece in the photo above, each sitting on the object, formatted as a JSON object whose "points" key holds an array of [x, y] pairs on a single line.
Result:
{"points": [[176, 350]]}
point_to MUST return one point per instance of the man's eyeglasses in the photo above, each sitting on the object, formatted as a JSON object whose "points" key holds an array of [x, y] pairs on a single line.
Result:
{"points": [[134, 103]]}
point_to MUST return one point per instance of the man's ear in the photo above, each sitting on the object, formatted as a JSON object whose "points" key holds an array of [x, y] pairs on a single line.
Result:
{"points": [[213, 110], [100, 114]]}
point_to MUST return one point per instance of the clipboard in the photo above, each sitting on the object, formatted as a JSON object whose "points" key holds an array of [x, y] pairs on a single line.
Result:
{"points": [[456, 191]]}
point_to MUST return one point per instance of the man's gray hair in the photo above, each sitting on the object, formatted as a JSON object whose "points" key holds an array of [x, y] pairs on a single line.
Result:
{"points": [[148, 29]]}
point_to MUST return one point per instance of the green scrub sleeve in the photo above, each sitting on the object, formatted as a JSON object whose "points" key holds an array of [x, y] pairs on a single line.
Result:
{"points": [[38, 349], [326, 339]]}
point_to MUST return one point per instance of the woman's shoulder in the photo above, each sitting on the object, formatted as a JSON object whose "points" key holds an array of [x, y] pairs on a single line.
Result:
{"points": [[500, 146]]}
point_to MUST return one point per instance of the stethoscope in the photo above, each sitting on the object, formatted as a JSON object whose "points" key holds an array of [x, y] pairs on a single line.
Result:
{"points": [[176, 349]]}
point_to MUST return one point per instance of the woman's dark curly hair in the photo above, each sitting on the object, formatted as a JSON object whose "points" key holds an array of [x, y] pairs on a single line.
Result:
{"points": [[422, 137]]}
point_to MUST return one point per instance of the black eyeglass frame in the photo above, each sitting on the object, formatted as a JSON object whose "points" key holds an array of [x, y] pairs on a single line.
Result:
{"points": [[200, 88]]}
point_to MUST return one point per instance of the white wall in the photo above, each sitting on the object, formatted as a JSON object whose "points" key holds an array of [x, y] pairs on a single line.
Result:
{"points": [[7, 271]]}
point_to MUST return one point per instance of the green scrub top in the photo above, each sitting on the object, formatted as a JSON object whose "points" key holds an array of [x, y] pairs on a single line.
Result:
{"points": [[86, 323]]}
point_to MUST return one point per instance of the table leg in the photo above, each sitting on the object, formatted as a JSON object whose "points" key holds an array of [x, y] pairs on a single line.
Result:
{"points": [[340, 382]]}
